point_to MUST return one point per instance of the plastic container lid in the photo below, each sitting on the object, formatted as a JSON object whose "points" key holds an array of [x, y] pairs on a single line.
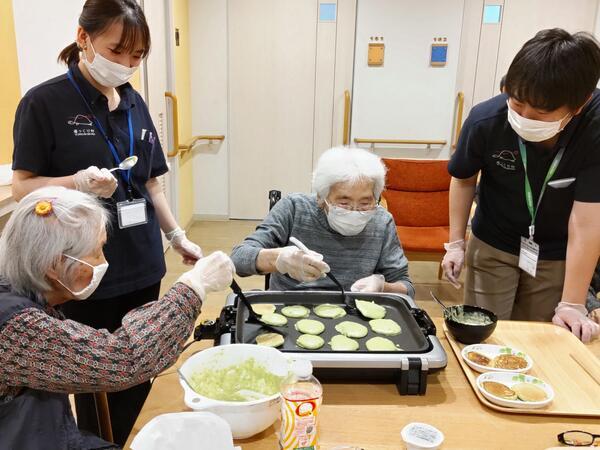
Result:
{"points": [[302, 368], [347, 447], [198, 430], [418, 436]]}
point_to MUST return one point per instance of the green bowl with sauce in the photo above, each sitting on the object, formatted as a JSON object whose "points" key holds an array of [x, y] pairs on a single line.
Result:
{"points": [[470, 324]]}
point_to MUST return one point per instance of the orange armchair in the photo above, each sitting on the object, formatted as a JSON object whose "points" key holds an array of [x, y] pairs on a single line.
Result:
{"points": [[417, 196]]}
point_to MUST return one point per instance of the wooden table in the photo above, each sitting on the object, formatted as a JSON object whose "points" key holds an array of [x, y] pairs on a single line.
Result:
{"points": [[7, 204], [371, 416]]}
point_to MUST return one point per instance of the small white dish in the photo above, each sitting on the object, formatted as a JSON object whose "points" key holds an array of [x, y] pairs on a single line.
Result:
{"points": [[491, 351], [510, 379]]}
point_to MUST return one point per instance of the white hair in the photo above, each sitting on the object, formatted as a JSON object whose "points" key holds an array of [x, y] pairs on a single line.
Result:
{"points": [[31, 243], [348, 164]]}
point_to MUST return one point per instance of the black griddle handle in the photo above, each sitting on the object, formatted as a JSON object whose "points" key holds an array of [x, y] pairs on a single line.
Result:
{"points": [[206, 330], [424, 321], [214, 329], [414, 380]]}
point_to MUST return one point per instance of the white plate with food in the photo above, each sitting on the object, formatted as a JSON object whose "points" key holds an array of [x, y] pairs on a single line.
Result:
{"points": [[515, 390], [496, 358]]}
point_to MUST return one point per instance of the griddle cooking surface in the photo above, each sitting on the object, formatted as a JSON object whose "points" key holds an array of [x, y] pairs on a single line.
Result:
{"points": [[411, 340]]}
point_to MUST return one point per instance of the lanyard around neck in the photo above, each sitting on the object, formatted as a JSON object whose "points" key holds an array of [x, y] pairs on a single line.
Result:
{"points": [[110, 144], [528, 192]]}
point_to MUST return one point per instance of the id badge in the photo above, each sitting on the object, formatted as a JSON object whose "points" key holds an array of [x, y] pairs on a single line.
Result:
{"points": [[132, 213], [528, 256]]}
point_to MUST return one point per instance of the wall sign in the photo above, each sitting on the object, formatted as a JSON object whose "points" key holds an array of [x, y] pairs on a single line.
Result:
{"points": [[376, 54], [439, 55]]}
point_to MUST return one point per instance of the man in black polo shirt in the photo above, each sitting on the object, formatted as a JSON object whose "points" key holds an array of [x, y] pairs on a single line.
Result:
{"points": [[536, 231]]}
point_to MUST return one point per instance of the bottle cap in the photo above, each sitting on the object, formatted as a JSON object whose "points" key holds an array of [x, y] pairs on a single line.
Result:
{"points": [[302, 368]]}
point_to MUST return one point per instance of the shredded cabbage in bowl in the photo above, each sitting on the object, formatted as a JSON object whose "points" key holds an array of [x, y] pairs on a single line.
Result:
{"points": [[224, 384]]}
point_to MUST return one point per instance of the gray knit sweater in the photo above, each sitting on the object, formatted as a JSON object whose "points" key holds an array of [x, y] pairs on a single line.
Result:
{"points": [[376, 250]]}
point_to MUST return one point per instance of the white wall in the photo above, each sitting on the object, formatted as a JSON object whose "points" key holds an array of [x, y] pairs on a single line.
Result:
{"points": [[344, 66], [485, 85], [406, 98], [479, 54], [43, 28], [335, 43], [597, 22], [522, 19], [472, 29], [209, 72]]}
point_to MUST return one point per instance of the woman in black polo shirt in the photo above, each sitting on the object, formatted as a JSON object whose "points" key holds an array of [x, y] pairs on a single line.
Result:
{"points": [[67, 132]]}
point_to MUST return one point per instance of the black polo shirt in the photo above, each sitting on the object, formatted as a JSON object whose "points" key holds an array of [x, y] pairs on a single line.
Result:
{"points": [[54, 136], [488, 144]]}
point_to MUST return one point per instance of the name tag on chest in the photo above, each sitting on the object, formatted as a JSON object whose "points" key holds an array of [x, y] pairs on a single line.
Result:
{"points": [[132, 213], [528, 256]]}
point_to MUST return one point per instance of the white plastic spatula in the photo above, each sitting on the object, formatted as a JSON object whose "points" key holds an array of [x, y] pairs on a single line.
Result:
{"points": [[251, 395]]}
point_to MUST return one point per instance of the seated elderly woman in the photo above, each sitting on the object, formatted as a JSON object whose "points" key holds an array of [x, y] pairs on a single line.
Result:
{"points": [[342, 225], [50, 253]]}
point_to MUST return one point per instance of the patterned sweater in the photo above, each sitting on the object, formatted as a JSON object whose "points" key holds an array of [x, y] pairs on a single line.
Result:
{"points": [[41, 350]]}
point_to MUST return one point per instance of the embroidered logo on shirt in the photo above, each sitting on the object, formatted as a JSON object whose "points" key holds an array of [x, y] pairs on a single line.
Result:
{"points": [[80, 119], [82, 125], [506, 159]]}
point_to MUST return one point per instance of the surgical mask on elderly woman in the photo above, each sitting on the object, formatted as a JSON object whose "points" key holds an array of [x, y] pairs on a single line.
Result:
{"points": [[97, 275], [346, 222]]}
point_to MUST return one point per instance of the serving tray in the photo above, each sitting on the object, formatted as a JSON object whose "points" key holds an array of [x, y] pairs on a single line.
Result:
{"points": [[559, 358]]}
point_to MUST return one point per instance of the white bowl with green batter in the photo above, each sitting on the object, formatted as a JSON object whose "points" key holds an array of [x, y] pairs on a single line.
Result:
{"points": [[223, 379]]}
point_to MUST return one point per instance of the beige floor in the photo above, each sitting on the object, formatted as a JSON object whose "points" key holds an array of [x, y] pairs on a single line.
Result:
{"points": [[223, 235]]}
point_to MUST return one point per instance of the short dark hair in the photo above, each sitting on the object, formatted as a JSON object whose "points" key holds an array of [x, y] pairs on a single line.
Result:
{"points": [[98, 15], [555, 69]]}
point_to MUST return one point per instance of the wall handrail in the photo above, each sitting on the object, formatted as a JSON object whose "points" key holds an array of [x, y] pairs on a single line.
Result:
{"points": [[174, 114], [209, 138], [427, 142], [346, 136], [459, 113], [177, 147]]}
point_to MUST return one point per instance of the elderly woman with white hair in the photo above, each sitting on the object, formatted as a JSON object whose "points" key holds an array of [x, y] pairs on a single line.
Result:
{"points": [[343, 226], [50, 253]]}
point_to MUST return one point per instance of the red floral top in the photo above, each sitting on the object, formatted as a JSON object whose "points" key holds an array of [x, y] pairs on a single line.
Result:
{"points": [[41, 350]]}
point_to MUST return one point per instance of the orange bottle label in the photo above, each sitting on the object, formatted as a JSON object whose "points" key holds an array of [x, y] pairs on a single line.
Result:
{"points": [[299, 424]]}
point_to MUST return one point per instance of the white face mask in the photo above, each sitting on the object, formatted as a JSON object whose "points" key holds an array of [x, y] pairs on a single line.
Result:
{"points": [[346, 222], [108, 73], [97, 275], [533, 130]]}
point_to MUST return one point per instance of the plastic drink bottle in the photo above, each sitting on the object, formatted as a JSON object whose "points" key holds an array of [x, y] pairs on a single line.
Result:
{"points": [[301, 397]]}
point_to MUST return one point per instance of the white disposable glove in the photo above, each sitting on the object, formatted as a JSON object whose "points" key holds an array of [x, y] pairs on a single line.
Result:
{"points": [[573, 316], [453, 261], [372, 283], [92, 180], [300, 265], [209, 274], [181, 244], [595, 315]]}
